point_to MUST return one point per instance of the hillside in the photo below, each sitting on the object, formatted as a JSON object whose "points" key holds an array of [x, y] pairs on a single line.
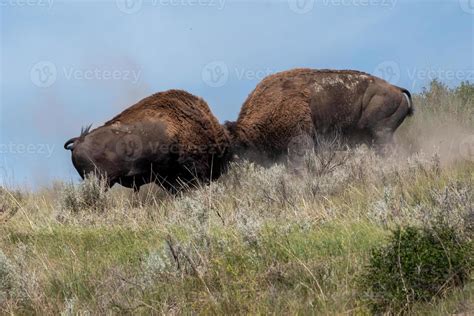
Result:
{"points": [[258, 240]]}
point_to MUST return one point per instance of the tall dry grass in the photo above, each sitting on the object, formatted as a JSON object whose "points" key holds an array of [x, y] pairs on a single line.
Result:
{"points": [[258, 240]]}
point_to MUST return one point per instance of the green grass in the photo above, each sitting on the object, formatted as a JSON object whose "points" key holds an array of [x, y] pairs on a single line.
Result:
{"points": [[283, 266], [257, 241]]}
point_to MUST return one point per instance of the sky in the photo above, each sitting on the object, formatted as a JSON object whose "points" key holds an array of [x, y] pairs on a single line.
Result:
{"points": [[67, 64]]}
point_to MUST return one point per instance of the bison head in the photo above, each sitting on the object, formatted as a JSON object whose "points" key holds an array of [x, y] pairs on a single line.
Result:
{"points": [[102, 152]]}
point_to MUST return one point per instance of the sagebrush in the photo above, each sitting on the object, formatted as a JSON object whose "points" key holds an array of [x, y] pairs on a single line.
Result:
{"points": [[259, 240]]}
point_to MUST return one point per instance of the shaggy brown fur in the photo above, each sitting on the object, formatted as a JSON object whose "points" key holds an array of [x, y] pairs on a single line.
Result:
{"points": [[169, 138], [289, 104]]}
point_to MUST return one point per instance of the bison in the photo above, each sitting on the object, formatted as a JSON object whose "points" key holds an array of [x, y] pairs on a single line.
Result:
{"points": [[305, 102], [170, 138]]}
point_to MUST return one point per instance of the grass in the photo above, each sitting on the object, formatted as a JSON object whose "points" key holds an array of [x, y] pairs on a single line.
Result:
{"points": [[257, 241]]}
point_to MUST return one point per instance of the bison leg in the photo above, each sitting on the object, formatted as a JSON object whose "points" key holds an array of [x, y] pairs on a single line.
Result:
{"points": [[136, 188], [132, 183], [137, 183]]}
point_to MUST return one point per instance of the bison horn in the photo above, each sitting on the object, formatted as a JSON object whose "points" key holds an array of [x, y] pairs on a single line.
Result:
{"points": [[69, 145]]}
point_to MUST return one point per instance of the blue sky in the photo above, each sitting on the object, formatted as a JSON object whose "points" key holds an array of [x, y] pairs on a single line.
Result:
{"points": [[65, 64]]}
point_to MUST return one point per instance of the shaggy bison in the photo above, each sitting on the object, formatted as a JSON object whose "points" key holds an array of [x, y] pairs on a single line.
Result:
{"points": [[306, 102], [169, 138]]}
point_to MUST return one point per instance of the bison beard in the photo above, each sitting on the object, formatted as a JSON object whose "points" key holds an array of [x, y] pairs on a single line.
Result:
{"points": [[306, 102], [170, 138]]}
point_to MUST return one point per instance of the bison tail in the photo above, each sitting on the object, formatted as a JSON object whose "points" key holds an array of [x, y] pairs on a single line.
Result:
{"points": [[69, 145], [411, 109]]}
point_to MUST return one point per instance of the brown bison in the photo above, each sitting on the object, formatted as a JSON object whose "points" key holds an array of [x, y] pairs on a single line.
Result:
{"points": [[290, 104], [170, 138]]}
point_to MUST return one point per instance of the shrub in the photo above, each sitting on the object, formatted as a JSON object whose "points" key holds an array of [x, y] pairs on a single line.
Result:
{"points": [[7, 278], [10, 202], [88, 195], [465, 92], [418, 264], [156, 263]]}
